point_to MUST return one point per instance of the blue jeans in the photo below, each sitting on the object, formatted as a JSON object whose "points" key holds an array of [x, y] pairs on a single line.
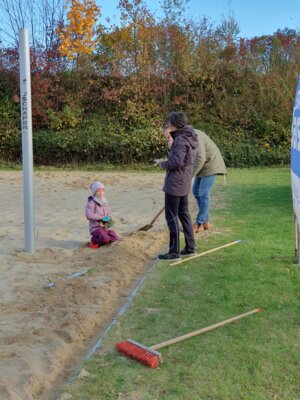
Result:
{"points": [[201, 191]]}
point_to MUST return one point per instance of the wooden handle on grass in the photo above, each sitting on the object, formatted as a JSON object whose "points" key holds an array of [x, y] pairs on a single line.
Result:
{"points": [[157, 215], [203, 330], [205, 252]]}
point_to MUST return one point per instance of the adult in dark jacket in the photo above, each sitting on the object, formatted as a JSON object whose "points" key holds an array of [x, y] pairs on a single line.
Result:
{"points": [[208, 164], [179, 173]]}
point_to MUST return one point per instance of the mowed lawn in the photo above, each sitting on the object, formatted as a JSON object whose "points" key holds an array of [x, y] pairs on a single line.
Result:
{"points": [[254, 358]]}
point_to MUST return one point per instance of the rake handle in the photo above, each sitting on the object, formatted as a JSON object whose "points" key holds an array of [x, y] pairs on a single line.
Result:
{"points": [[203, 330], [157, 215], [205, 253]]}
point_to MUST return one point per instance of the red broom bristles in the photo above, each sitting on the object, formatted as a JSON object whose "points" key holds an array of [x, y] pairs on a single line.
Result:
{"points": [[138, 352]]}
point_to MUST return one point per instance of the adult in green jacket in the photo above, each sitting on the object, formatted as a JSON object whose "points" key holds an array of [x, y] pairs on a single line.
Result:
{"points": [[208, 164]]}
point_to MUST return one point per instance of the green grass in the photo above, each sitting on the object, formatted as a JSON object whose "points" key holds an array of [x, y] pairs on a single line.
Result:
{"points": [[256, 358], [8, 166]]}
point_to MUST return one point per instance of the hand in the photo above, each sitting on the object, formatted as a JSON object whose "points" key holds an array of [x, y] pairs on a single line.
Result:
{"points": [[168, 136], [170, 142], [167, 132], [158, 161]]}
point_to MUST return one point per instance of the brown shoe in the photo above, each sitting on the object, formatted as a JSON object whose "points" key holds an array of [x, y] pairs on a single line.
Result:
{"points": [[200, 228], [196, 227], [206, 225]]}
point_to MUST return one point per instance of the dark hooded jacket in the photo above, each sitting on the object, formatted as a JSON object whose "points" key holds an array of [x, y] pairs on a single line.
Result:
{"points": [[179, 165]]}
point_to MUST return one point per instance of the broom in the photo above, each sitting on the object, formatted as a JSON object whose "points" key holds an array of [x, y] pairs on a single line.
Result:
{"points": [[152, 358]]}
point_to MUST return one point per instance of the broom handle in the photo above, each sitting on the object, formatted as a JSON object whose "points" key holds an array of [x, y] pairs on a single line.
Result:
{"points": [[205, 252], [157, 215], [203, 330]]}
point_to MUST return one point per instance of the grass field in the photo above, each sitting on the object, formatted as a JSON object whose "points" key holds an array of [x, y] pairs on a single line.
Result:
{"points": [[255, 358]]}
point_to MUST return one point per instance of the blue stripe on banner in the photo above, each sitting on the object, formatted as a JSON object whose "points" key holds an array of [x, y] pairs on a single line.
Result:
{"points": [[295, 162]]}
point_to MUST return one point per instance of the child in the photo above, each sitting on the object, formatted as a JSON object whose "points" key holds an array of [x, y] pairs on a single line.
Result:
{"points": [[98, 214]]}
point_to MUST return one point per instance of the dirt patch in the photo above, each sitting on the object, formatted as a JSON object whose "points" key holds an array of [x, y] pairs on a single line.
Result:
{"points": [[55, 303]]}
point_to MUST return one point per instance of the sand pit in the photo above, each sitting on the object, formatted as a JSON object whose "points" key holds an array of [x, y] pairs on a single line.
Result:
{"points": [[50, 318]]}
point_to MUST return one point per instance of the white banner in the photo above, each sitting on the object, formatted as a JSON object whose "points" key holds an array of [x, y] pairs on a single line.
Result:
{"points": [[295, 156]]}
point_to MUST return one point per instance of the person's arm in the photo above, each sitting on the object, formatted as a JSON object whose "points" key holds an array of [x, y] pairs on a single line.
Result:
{"points": [[176, 157], [168, 136], [90, 212], [200, 157], [170, 142], [106, 210]]}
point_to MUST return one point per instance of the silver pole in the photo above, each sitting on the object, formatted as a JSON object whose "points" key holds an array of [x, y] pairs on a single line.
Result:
{"points": [[27, 153]]}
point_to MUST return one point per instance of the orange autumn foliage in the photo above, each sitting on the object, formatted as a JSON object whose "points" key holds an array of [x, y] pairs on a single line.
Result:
{"points": [[77, 36]]}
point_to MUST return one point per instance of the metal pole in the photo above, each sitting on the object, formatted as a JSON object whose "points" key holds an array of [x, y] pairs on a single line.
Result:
{"points": [[27, 153]]}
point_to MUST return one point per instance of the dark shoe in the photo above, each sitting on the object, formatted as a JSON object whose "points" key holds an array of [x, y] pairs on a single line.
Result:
{"points": [[169, 256], [187, 252]]}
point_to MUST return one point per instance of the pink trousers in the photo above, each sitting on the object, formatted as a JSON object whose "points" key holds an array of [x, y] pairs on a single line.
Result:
{"points": [[104, 236]]}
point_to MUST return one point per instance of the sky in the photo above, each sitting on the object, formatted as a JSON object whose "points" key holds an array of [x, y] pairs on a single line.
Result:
{"points": [[255, 17]]}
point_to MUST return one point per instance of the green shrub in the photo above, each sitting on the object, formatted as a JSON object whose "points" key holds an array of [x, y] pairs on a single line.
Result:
{"points": [[10, 136], [251, 155], [68, 117], [239, 149], [98, 142], [104, 140]]}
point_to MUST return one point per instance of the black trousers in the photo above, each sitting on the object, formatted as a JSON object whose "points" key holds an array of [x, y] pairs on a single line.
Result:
{"points": [[177, 207]]}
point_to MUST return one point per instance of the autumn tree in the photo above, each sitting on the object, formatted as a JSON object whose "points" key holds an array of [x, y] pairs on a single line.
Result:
{"points": [[77, 36], [136, 34]]}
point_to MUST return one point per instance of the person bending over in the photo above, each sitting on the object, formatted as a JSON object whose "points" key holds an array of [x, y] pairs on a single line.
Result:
{"points": [[208, 164]]}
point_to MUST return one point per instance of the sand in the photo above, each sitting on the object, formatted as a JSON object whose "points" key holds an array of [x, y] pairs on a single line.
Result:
{"points": [[51, 318]]}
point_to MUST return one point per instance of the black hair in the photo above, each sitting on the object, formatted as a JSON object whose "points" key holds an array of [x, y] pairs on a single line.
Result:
{"points": [[177, 119]]}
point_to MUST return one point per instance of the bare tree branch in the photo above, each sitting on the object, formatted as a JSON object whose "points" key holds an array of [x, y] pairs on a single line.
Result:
{"points": [[41, 17]]}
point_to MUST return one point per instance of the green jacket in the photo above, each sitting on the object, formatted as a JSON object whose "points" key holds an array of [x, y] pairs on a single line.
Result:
{"points": [[209, 160]]}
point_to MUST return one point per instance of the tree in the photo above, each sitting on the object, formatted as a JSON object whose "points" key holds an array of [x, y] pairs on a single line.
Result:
{"points": [[136, 35], [39, 17], [77, 37]]}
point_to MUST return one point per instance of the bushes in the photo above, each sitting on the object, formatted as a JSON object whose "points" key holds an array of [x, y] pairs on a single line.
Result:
{"points": [[242, 89], [251, 155], [9, 129], [93, 142], [108, 142], [68, 117], [240, 149]]}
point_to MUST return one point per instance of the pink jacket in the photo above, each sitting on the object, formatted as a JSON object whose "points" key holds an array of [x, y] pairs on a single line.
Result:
{"points": [[95, 211]]}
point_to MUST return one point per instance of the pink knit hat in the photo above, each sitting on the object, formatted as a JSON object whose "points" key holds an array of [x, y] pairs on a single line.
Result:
{"points": [[95, 186]]}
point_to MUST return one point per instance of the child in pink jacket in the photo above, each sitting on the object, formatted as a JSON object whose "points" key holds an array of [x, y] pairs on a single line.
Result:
{"points": [[98, 214]]}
